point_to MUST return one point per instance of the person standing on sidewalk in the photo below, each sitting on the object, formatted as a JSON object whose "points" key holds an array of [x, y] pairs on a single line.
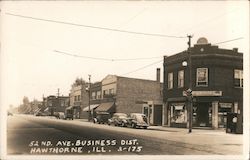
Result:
{"points": [[234, 124]]}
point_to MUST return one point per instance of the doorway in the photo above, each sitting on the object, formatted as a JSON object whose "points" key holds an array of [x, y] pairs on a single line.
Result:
{"points": [[203, 114]]}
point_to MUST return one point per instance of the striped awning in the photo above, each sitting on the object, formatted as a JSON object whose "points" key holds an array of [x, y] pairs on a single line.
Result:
{"points": [[105, 107], [92, 107]]}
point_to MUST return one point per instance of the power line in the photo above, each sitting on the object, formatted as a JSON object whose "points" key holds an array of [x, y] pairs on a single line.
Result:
{"points": [[143, 67], [95, 27], [229, 40], [103, 59]]}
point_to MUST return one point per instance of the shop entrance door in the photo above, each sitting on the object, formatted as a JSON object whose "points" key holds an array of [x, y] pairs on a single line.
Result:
{"points": [[203, 114]]}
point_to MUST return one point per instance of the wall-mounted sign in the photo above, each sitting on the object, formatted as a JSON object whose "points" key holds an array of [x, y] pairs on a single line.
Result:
{"points": [[226, 105], [207, 93]]}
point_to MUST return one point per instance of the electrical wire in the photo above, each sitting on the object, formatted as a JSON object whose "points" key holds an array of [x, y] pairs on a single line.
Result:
{"points": [[142, 67], [94, 27], [103, 59], [229, 40]]}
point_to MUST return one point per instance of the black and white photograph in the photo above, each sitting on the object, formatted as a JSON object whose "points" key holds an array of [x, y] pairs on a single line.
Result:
{"points": [[124, 80]]}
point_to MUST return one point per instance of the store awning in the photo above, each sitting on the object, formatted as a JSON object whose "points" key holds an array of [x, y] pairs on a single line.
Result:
{"points": [[70, 107], [92, 106], [105, 107], [47, 109]]}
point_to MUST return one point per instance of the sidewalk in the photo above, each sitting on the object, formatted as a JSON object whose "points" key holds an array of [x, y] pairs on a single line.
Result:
{"points": [[220, 131]]}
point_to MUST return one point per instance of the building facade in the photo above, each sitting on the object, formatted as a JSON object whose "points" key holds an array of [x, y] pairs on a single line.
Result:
{"points": [[216, 83], [78, 97], [130, 95], [95, 100], [55, 103]]}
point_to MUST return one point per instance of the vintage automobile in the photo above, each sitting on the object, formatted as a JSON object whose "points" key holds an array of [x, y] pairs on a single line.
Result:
{"points": [[59, 115], [40, 113], [101, 117], [10, 114], [119, 119], [137, 120], [68, 114]]}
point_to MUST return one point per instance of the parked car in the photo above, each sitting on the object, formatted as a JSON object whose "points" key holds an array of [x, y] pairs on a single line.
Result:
{"points": [[138, 120], [40, 114], [10, 114], [68, 114], [59, 115], [101, 117], [119, 119]]}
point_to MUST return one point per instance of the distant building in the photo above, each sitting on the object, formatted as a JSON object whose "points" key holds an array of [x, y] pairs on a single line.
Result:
{"points": [[56, 103], [36, 106], [217, 84], [78, 97], [95, 99]]}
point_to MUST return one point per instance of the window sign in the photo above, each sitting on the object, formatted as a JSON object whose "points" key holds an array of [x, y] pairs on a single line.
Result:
{"points": [[202, 77]]}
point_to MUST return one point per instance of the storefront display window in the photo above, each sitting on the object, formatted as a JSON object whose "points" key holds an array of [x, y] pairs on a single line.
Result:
{"points": [[178, 114], [224, 108]]}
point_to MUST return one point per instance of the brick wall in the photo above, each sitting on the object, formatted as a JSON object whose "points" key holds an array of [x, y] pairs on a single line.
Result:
{"points": [[132, 92]]}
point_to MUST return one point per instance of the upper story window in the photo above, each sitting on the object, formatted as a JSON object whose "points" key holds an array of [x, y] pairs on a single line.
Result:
{"points": [[79, 98], [93, 96], [202, 77], [105, 92], [62, 103], [75, 98], [98, 95], [180, 78], [170, 80], [112, 91], [238, 78]]}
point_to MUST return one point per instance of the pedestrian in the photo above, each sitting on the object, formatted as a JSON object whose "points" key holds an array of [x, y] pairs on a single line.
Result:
{"points": [[234, 124]]}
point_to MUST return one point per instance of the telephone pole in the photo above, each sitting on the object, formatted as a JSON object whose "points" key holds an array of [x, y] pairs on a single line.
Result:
{"points": [[189, 91], [89, 118]]}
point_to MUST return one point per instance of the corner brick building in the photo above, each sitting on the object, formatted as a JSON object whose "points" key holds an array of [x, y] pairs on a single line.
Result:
{"points": [[217, 84]]}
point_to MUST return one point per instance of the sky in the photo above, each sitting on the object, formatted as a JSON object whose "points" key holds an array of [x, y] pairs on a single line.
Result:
{"points": [[32, 31]]}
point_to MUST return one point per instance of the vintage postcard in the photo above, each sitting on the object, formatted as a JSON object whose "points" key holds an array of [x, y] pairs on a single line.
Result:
{"points": [[124, 80]]}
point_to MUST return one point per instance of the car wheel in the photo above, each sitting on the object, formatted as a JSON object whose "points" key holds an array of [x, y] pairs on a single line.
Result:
{"points": [[145, 127]]}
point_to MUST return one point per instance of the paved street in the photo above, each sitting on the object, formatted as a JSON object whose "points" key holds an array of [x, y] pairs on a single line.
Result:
{"points": [[46, 135]]}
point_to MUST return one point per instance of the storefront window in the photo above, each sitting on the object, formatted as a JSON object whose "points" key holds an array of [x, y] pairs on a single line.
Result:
{"points": [[178, 114], [224, 108]]}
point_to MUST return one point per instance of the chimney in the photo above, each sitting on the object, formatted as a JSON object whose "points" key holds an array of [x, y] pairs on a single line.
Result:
{"points": [[158, 74], [235, 50]]}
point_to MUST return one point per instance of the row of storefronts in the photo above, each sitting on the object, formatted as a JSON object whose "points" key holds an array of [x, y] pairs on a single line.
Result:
{"points": [[216, 81]]}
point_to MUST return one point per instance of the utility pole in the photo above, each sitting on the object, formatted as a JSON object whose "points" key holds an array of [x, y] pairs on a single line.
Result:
{"points": [[58, 92], [189, 91], [89, 98]]}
